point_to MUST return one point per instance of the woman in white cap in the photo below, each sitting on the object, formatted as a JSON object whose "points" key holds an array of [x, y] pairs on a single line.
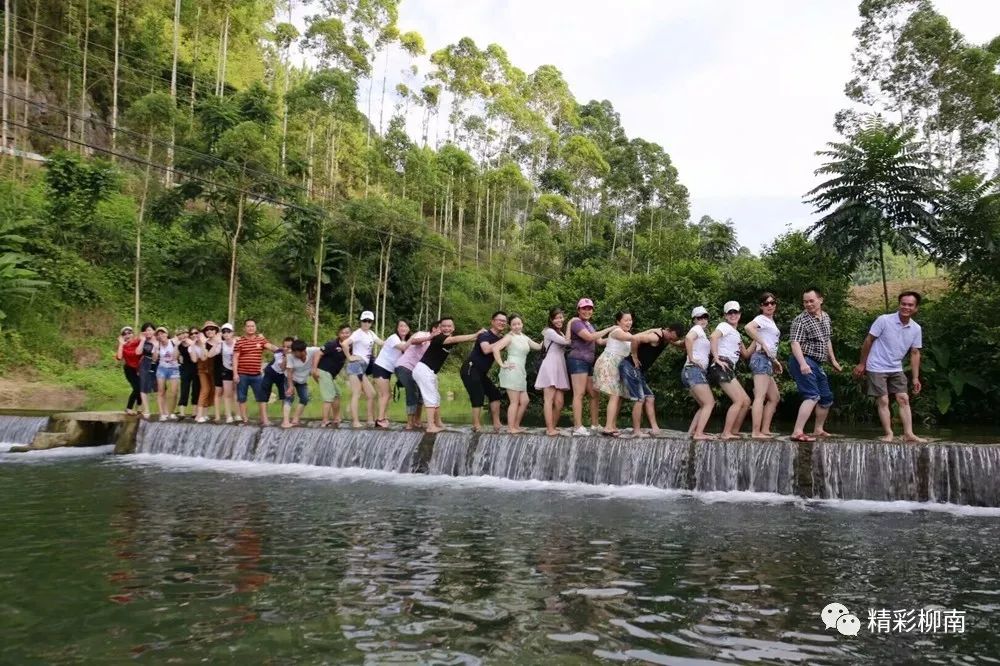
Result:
{"points": [[583, 341], [168, 373], [727, 349], [694, 377], [359, 356], [224, 388], [765, 365]]}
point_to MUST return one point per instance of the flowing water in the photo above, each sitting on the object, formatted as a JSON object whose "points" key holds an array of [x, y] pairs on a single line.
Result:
{"points": [[21, 429], [169, 559]]}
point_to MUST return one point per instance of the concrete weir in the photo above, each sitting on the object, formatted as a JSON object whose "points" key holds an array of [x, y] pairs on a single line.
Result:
{"points": [[837, 468]]}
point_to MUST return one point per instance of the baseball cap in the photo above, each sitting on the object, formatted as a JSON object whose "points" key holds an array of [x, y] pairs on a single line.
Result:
{"points": [[584, 303], [367, 316], [729, 306], [699, 312], [125, 328], [162, 328], [227, 327]]}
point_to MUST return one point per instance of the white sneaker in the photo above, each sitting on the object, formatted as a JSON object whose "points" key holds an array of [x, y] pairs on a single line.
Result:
{"points": [[229, 419], [201, 419], [172, 417], [163, 417], [581, 432]]}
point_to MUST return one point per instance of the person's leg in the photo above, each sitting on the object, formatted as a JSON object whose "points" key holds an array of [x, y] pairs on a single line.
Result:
{"points": [[161, 394], [132, 377], [522, 407], [354, 382], [906, 416], [884, 417], [185, 392], [286, 411], [808, 390], [702, 394], [637, 416], [262, 399], [650, 407], [382, 388], [579, 381], [611, 420], [761, 386], [511, 411], [548, 405], [737, 410], [805, 411], [173, 388], [369, 390], [229, 398], [242, 386], [770, 407], [825, 402], [595, 403]]}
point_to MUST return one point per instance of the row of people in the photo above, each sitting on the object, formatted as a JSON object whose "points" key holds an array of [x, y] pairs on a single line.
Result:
{"points": [[213, 368]]}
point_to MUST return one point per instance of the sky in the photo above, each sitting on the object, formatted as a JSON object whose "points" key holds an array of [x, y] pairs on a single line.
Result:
{"points": [[741, 94]]}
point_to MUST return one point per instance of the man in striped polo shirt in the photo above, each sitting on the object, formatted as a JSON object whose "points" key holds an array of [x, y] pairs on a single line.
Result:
{"points": [[248, 362]]}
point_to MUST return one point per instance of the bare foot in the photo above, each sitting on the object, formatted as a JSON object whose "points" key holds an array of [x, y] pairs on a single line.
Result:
{"points": [[515, 431], [552, 433], [287, 425], [728, 435], [821, 433], [886, 438], [655, 432], [433, 429], [761, 435], [914, 439], [355, 424], [702, 436], [769, 434]]}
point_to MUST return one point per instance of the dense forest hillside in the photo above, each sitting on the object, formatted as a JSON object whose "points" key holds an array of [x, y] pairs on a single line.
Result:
{"points": [[169, 161]]}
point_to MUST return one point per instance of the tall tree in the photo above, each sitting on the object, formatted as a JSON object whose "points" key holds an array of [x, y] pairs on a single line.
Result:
{"points": [[882, 192]]}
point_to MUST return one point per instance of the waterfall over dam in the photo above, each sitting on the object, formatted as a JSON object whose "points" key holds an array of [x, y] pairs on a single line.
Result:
{"points": [[834, 469]]}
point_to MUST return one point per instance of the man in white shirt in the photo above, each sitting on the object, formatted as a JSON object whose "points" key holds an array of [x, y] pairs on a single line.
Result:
{"points": [[890, 339]]}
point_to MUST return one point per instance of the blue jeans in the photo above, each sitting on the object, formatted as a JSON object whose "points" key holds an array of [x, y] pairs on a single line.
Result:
{"points": [[247, 382], [760, 364], [814, 386], [692, 375], [303, 391], [578, 366], [405, 378]]}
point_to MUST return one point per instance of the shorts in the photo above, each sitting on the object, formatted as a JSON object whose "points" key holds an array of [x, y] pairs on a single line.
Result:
{"points": [[633, 382], [814, 386], [378, 372], [147, 376], [246, 383], [692, 376], [479, 386], [357, 368], [328, 390], [760, 364], [577, 366], [886, 383], [719, 374], [302, 390], [272, 378], [168, 372], [224, 375], [427, 382]]}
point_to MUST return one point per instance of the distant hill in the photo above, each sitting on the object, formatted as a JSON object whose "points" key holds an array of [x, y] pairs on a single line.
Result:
{"points": [[869, 296]]}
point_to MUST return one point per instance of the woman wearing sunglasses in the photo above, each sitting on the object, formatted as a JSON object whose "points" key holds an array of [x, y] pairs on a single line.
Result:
{"points": [[765, 365]]}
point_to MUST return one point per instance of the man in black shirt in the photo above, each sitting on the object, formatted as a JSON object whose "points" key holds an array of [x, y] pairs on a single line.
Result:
{"points": [[646, 348], [475, 373], [327, 364], [425, 372]]}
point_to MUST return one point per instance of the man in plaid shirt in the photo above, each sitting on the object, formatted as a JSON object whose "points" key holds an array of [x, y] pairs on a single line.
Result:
{"points": [[811, 346]]}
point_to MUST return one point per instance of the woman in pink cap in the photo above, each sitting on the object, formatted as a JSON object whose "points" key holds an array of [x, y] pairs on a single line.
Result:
{"points": [[584, 339]]}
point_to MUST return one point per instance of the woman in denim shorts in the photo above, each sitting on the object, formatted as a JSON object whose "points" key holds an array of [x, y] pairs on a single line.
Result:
{"points": [[693, 375], [764, 364], [168, 373]]}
